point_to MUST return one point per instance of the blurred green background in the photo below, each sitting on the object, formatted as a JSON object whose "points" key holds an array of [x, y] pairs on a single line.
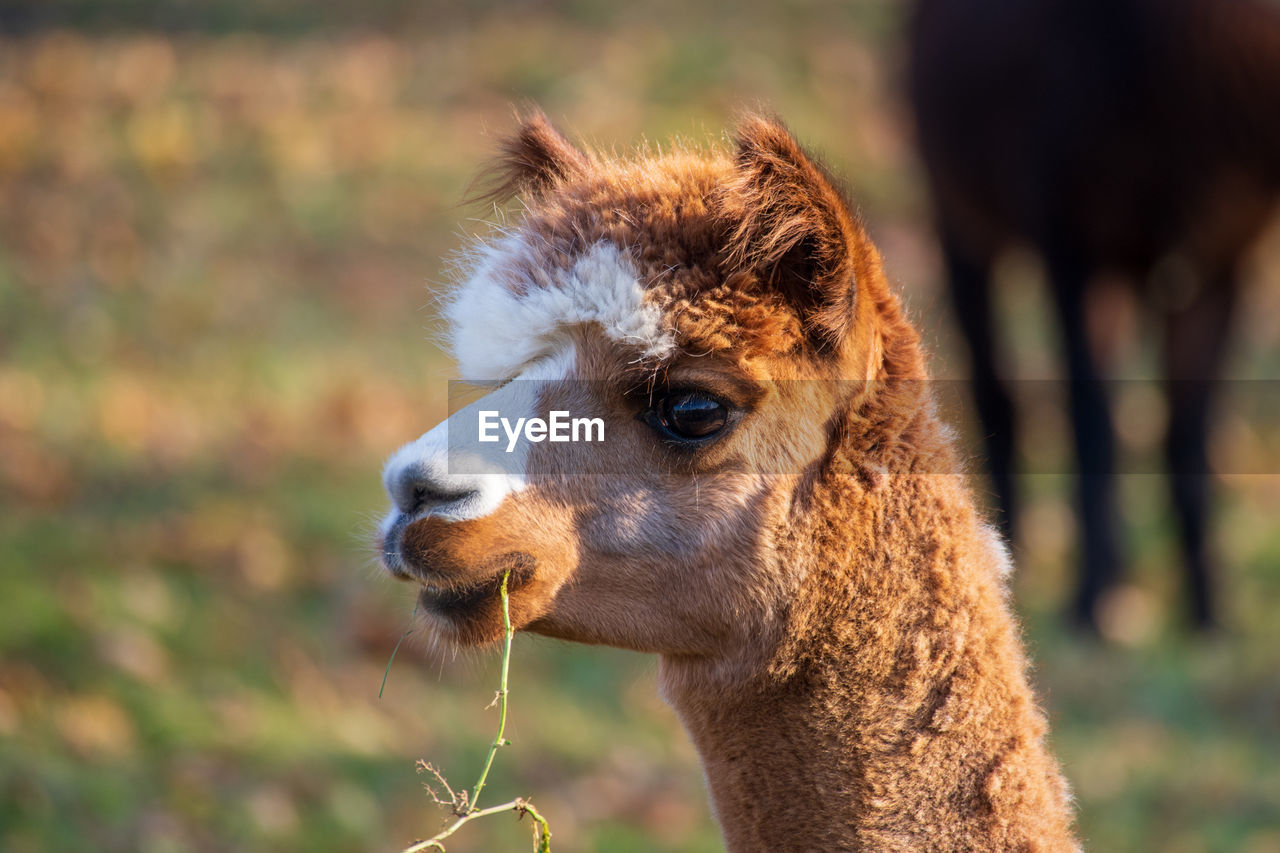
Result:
{"points": [[219, 227]]}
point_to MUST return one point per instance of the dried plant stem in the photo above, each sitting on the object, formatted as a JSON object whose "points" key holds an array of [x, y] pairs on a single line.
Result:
{"points": [[519, 805], [464, 805]]}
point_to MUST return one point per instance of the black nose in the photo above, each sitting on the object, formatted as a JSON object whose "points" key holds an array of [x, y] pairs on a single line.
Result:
{"points": [[414, 489]]}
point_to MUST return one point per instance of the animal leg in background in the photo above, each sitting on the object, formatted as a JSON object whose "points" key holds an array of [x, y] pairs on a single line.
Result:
{"points": [[970, 278], [1099, 556], [1194, 345]]}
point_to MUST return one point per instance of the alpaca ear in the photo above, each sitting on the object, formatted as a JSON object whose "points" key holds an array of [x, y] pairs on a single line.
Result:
{"points": [[790, 225], [534, 159]]}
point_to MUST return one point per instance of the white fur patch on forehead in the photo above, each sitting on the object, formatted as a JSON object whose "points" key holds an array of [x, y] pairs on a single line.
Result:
{"points": [[511, 309]]}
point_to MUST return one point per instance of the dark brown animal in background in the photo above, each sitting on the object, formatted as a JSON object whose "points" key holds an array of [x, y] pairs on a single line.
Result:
{"points": [[1138, 137]]}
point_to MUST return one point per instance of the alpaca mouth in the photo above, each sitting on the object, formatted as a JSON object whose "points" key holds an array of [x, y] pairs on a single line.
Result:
{"points": [[456, 599]]}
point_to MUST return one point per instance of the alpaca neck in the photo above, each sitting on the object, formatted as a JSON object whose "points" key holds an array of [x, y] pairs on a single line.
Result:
{"points": [[895, 713], [843, 759], [825, 764], [773, 768]]}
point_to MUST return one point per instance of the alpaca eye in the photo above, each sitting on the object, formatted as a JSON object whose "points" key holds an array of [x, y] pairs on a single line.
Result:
{"points": [[692, 415]]}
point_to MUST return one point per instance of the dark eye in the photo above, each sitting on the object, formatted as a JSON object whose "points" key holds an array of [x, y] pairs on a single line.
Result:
{"points": [[692, 415]]}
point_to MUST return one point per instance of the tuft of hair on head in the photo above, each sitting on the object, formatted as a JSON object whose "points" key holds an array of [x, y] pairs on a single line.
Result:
{"points": [[789, 223], [534, 159]]}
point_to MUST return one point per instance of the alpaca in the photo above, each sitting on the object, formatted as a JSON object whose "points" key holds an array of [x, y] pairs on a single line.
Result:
{"points": [[777, 511], [1139, 137]]}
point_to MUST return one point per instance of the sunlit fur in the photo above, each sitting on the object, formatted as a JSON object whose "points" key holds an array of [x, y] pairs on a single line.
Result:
{"points": [[828, 607]]}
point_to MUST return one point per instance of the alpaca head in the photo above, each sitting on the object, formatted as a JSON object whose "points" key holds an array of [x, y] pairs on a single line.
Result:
{"points": [[676, 299]]}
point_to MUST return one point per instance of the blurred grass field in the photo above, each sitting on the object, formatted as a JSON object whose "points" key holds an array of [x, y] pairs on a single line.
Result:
{"points": [[216, 249]]}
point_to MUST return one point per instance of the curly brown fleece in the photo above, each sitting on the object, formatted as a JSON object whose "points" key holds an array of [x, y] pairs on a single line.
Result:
{"points": [[837, 641]]}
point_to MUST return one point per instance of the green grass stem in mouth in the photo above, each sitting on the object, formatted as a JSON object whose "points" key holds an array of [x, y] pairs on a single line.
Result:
{"points": [[465, 805]]}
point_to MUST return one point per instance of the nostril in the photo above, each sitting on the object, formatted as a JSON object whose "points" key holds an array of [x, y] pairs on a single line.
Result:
{"points": [[416, 490], [424, 496]]}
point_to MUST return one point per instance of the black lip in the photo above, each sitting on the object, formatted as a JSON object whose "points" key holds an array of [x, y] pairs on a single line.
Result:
{"points": [[389, 548], [454, 599]]}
